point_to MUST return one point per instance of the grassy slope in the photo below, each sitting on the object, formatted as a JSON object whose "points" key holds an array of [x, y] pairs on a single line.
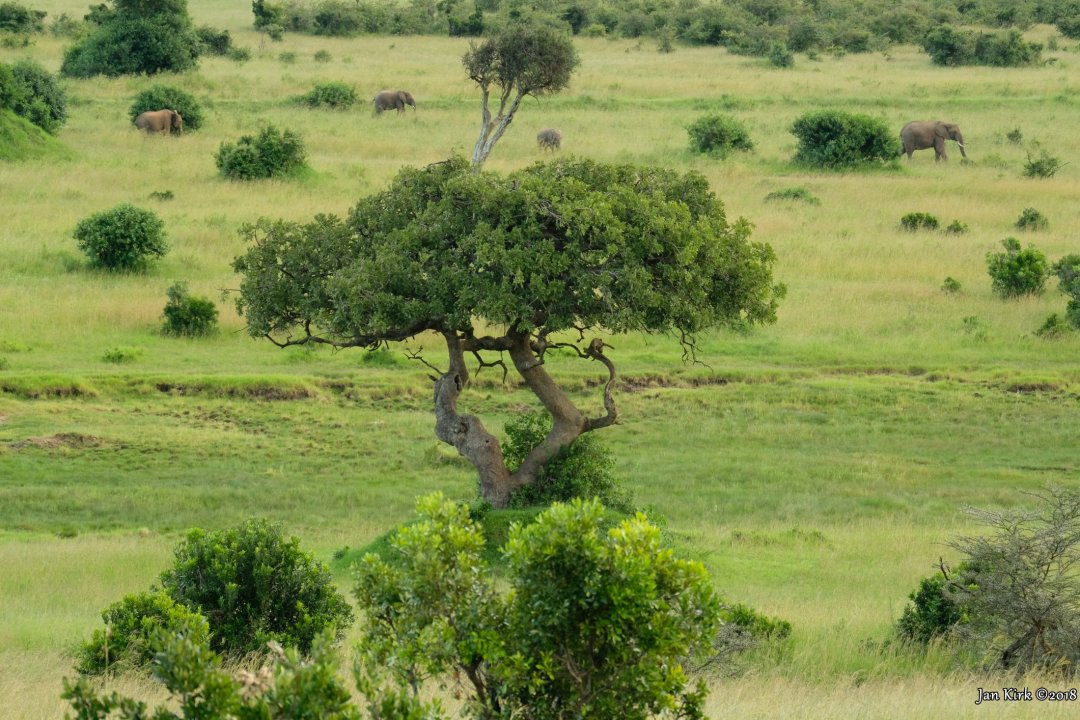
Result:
{"points": [[814, 469]]}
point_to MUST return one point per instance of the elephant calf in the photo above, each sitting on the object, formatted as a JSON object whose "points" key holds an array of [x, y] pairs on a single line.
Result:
{"points": [[549, 139], [393, 100], [921, 135], [160, 121]]}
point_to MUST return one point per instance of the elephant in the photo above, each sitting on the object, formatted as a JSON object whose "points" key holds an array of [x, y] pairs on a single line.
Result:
{"points": [[162, 121], [920, 135], [396, 99], [549, 139]]}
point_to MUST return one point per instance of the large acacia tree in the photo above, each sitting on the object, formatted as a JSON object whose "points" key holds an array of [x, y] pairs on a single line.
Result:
{"points": [[538, 259]]}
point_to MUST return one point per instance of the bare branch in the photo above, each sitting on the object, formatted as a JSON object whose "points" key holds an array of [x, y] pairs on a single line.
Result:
{"points": [[595, 351], [419, 356], [481, 364]]}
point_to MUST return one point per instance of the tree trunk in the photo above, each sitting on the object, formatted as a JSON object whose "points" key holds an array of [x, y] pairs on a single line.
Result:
{"points": [[492, 129]]}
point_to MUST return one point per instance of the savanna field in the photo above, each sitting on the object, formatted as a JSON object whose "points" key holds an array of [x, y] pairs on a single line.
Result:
{"points": [[817, 467]]}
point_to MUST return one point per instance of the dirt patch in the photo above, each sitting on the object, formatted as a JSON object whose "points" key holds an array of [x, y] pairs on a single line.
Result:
{"points": [[1033, 387], [249, 392], [60, 440]]}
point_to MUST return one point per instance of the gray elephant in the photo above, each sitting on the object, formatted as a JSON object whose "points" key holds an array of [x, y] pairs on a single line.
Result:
{"points": [[921, 134], [160, 121], [393, 100], [549, 139]]}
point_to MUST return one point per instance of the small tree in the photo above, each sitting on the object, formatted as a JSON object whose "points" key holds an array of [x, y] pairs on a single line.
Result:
{"points": [[1017, 272], [837, 140], [522, 59], [125, 238], [560, 246], [188, 315]]}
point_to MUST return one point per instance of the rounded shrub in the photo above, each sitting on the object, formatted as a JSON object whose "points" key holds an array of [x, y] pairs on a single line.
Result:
{"points": [[582, 470], [799, 194], [271, 153], [834, 139], [1055, 326], [1032, 219], [1017, 272], [254, 585], [214, 41], [719, 135], [186, 315], [915, 221], [127, 45], [168, 97], [335, 95], [933, 611], [39, 97], [130, 624], [124, 238]]}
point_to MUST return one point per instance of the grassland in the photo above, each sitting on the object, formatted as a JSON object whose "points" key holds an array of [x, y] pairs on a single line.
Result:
{"points": [[815, 466]]}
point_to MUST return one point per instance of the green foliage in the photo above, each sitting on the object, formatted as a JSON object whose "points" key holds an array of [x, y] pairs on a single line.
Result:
{"points": [[214, 41], [130, 625], [799, 194], [121, 355], [335, 95], [271, 153], [1069, 27], [239, 54], [933, 613], [1032, 219], [1042, 165], [915, 221], [951, 286], [1067, 270], [1054, 327], [1017, 272], [780, 56], [136, 38], [36, 95], [719, 135], [288, 57], [124, 238], [1015, 136], [957, 228], [254, 585], [17, 18], [595, 625], [834, 139], [322, 56], [267, 14], [186, 315], [162, 195], [947, 45], [169, 97], [582, 470]]}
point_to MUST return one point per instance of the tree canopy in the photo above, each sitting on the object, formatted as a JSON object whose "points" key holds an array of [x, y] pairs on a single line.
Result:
{"points": [[537, 258]]}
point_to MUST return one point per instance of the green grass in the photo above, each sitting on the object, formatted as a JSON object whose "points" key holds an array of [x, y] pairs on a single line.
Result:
{"points": [[814, 466]]}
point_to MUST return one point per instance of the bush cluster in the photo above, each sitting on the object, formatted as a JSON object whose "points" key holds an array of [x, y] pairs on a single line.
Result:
{"points": [[1040, 163], [271, 153], [162, 97], [1017, 272], [19, 19], [947, 45], [125, 238], [915, 221], [833, 139], [335, 95], [799, 194], [187, 315], [31, 91], [1032, 219], [718, 135], [214, 41]]}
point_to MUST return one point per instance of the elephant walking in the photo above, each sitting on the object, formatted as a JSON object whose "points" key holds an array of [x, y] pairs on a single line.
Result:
{"points": [[160, 121], [549, 139], [920, 135], [393, 99]]}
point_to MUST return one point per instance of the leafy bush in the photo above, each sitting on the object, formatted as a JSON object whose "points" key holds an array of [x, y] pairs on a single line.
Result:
{"points": [[161, 97], [947, 45], [1015, 136], [16, 18], [957, 228], [1069, 26], [254, 585], [120, 355], [187, 315], [214, 41], [779, 56], [322, 56], [336, 95], [130, 625], [37, 96], [915, 221], [950, 286], [933, 612], [1032, 219], [833, 139], [718, 134], [1067, 270], [124, 238], [1017, 272], [1044, 165], [800, 194], [583, 470], [135, 38], [239, 54], [271, 153], [1054, 327]]}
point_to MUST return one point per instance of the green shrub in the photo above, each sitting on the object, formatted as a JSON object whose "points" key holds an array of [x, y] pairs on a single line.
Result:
{"points": [[1032, 219], [719, 135], [322, 56], [1054, 327], [16, 18], [1067, 270], [915, 221], [120, 355], [950, 286], [130, 625], [1043, 165], [124, 238], [1017, 272], [1069, 26], [65, 26], [1015, 136], [271, 153], [835, 140], [254, 585], [288, 57], [336, 95], [162, 97], [779, 56], [800, 194], [162, 195], [957, 228], [38, 96], [239, 54], [186, 315], [214, 41], [934, 611], [947, 45], [583, 470]]}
